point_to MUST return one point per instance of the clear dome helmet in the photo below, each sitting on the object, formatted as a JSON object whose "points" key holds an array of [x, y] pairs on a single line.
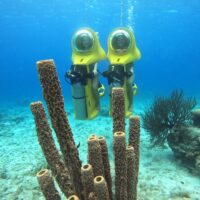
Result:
{"points": [[83, 41], [120, 40]]}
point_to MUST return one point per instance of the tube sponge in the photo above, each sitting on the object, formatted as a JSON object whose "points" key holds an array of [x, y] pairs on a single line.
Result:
{"points": [[118, 109], [101, 188], [94, 156], [120, 166], [134, 139], [55, 103], [87, 179], [52, 156], [47, 185], [73, 197], [131, 175], [106, 164], [98, 188]]}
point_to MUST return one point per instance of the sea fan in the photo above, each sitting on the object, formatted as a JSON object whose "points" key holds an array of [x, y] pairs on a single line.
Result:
{"points": [[165, 113]]}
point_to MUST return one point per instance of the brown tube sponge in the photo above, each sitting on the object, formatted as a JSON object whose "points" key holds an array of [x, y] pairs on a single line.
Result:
{"points": [[196, 117], [94, 156], [55, 103], [101, 188], [134, 138], [106, 164], [87, 180], [52, 156], [118, 109], [47, 185], [73, 197], [131, 176], [120, 166]]}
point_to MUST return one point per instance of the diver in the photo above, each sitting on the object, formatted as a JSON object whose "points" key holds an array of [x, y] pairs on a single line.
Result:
{"points": [[122, 52], [83, 74]]}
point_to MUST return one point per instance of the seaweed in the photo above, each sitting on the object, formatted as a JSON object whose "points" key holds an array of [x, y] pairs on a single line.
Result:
{"points": [[166, 113]]}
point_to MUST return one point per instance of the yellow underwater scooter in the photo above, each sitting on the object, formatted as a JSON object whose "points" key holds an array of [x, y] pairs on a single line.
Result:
{"points": [[122, 52], [86, 88]]}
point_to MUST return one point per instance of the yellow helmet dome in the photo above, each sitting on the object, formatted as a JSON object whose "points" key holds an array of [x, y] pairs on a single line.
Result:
{"points": [[86, 48], [122, 47]]}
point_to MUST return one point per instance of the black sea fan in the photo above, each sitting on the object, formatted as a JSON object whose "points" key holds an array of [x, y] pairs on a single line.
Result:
{"points": [[165, 113]]}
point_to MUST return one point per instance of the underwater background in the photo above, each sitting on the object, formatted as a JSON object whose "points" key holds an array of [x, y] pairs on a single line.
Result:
{"points": [[168, 35]]}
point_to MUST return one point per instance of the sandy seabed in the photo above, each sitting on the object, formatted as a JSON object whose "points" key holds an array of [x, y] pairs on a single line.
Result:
{"points": [[161, 176]]}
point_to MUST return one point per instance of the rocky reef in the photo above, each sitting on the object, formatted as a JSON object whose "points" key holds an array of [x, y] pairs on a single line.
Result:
{"points": [[185, 143], [174, 121]]}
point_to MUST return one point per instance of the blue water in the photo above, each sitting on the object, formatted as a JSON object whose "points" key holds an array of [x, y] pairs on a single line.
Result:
{"points": [[167, 33]]}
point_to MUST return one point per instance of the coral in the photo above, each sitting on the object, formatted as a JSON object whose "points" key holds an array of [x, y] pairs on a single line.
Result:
{"points": [[55, 104], [87, 179], [60, 171], [120, 166], [165, 113], [94, 156], [101, 189], [47, 185], [68, 173], [131, 174], [134, 141], [73, 197], [118, 109], [106, 164], [196, 117], [185, 143]]}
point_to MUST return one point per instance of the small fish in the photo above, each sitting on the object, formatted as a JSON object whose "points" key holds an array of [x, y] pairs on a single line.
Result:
{"points": [[78, 145]]}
